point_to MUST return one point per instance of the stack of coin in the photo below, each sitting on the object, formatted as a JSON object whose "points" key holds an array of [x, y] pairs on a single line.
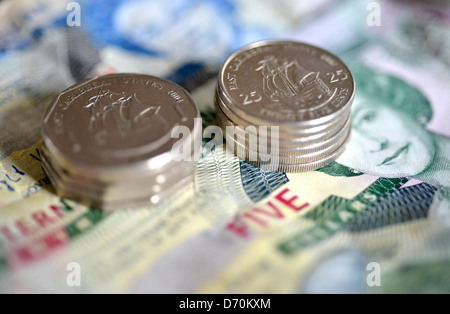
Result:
{"points": [[108, 142], [285, 105]]}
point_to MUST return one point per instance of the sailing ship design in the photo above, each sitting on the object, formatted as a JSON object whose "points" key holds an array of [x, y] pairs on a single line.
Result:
{"points": [[288, 82], [118, 115]]}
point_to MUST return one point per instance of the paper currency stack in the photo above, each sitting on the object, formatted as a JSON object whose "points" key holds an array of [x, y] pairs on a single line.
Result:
{"points": [[107, 141], [285, 105]]}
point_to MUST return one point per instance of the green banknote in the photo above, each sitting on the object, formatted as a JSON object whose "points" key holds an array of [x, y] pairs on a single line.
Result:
{"points": [[375, 221]]}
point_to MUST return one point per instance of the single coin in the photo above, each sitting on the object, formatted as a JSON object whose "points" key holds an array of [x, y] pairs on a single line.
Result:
{"points": [[117, 119], [285, 83]]}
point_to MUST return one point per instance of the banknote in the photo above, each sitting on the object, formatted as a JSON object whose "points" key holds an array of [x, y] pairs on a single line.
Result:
{"points": [[236, 228]]}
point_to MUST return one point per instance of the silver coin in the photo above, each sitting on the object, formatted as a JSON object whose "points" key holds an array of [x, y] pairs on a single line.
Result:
{"points": [[302, 167], [122, 199], [126, 189], [251, 155], [285, 83], [109, 140], [99, 201], [295, 142], [156, 168], [285, 132], [117, 119], [289, 148], [320, 148]]}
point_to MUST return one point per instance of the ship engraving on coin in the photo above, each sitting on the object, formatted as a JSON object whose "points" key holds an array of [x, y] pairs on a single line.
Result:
{"points": [[118, 115], [286, 82], [118, 118]]}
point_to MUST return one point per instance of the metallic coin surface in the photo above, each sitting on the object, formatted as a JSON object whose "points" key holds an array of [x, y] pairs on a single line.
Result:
{"points": [[299, 134], [287, 132], [285, 83], [108, 141], [286, 141], [116, 191], [117, 119], [321, 148], [245, 153], [301, 167]]}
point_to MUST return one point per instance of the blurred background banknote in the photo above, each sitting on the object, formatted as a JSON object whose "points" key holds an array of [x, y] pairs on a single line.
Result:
{"points": [[375, 221]]}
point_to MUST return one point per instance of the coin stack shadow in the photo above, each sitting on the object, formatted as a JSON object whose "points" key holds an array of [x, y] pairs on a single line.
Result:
{"points": [[304, 91], [107, 142]]}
